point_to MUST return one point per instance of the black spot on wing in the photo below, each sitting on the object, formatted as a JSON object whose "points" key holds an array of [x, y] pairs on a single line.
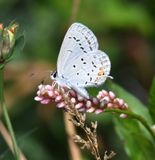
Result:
{"points": [[94, 64]]}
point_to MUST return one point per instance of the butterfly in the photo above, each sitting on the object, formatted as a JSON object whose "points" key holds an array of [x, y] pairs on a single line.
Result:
{"points": [[80, 63]]}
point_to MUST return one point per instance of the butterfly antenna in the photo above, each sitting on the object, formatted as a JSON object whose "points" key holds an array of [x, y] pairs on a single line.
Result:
{"points": [[40, 72]]}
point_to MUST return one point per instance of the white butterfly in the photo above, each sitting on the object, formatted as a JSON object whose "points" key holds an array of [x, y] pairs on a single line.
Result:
{"points": [[80, 63]]}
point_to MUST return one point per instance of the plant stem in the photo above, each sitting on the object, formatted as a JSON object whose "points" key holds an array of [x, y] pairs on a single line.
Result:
{"points": [[6, 115], [70, 130], [134, 116]]}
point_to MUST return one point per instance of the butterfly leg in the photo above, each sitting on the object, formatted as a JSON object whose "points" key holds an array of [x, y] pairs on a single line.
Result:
{"points": [[53, 84]]}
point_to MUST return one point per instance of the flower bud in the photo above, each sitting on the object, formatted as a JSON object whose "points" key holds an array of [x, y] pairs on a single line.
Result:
{"points": [[5, 50], [7, 41]]}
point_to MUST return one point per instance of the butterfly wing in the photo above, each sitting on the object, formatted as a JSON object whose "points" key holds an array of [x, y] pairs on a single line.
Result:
{"points": [[79, 40], [88, 70]]}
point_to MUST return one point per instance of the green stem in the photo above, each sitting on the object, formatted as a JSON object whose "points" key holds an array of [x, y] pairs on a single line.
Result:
{"points": [[6, 115], [134, 116]]}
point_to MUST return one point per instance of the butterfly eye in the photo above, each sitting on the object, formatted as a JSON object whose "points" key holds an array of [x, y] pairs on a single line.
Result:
{"points": [[54, 74]]}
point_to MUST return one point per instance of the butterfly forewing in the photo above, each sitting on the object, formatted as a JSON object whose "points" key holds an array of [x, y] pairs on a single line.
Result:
{"points": [[78, 40]]}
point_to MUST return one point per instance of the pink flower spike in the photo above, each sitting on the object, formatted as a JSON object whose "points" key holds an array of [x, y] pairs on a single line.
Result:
{"points": [[79, 105], [99, 96], [88, 104], [90, 110], [106, 99], [121, 102], [58, 98], [38, 92], [72, 93], [80, 98], [123, 116], [48, 87], [40, 86], [50, 93], [56, 92], [37, 98], [104, 92], [110, 105], [81, 109], [111, 95], [73, 100], [98, 111], [61, 105], [95, 101], [125, 105], [102, 104], [45, 101]]}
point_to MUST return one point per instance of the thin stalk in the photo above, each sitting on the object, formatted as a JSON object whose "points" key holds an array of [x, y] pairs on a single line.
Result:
{"points": [[134, 116], [6, 115], [70, 130]]}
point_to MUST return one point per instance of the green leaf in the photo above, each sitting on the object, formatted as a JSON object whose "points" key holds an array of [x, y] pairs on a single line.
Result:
{"points": [[138, 143], [151, 104]]}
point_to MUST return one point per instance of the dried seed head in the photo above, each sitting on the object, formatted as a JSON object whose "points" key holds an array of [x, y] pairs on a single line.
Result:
{"points": [[94, 125]]}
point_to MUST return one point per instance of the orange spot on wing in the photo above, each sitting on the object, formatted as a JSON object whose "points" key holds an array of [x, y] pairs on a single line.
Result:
{"points": [[100, 73]]}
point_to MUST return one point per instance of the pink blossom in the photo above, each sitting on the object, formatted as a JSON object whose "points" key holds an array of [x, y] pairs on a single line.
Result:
{"points": [[48, 94]]}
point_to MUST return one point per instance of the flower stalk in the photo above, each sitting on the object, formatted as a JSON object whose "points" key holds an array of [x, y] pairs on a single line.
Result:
{"points": [[6, 115]]}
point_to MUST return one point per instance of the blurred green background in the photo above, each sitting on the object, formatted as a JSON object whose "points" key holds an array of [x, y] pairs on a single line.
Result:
{"points": [[125, 31]]}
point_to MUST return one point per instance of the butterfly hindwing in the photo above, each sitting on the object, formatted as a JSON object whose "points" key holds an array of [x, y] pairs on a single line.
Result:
{"points": [[88, 70]]}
